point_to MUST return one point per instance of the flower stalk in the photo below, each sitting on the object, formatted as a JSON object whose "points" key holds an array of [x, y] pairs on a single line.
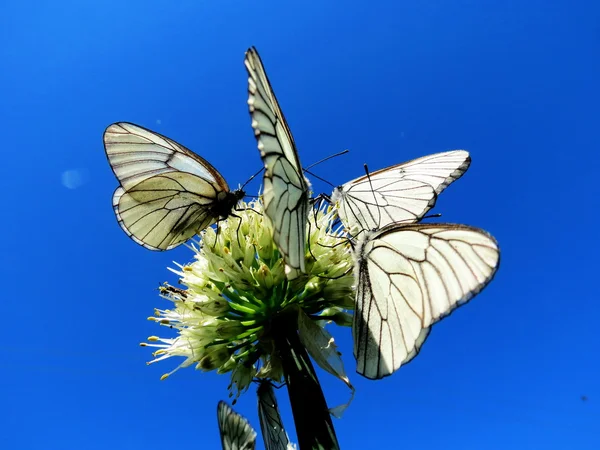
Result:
{"points": [[314, 428]]}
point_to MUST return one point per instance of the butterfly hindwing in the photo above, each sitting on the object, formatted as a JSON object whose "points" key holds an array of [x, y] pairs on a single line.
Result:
{"points": [[271, 425], [409, 278], [236, 432]]}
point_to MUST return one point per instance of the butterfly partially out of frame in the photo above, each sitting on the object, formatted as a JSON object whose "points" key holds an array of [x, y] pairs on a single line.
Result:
{"points": [[286, 190], [167, 193], [236, 432], [271, 425]]}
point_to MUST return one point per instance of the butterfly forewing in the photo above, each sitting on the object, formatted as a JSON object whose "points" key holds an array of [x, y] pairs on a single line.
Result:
{"points": [[362, 207], [236, 432], [285, 194], [271, 425], [167, 193], [136, 153], [410, 277], [402, 193], [438, 170]]}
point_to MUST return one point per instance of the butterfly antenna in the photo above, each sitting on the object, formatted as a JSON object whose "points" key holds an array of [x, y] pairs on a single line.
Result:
{"points": [[431, 216], [307, 169], [343, 152], [373, 191], [318, 177], [252, 178]]}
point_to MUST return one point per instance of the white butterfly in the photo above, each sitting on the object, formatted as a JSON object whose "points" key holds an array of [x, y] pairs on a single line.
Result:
{"points": [[401, 193], [271, 424], [408, 278], [236, 432], [285, 194], [168, 193]]}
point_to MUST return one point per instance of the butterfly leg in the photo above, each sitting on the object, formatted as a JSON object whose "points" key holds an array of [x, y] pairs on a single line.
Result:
{"points": [[335, 278], [269, 381], [246, 209], [344, 241], [217, 234], [237, 230]]}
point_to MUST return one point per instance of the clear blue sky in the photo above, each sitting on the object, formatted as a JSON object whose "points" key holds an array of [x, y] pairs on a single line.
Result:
{"points": [[515, 83]]}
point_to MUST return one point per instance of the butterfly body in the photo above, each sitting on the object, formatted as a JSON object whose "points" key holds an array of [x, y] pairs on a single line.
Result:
{"points": [[226, 202]]}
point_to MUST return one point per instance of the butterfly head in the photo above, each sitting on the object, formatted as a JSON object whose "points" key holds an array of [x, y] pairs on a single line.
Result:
{"points": [[337, 194], [239, 194]]}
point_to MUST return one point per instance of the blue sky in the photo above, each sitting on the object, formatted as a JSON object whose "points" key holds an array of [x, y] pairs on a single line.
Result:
{"points": [[515, 83]]}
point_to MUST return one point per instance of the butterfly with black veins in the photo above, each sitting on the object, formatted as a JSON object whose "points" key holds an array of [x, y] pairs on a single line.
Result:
{"points": [[167, 193], [408, 275], [271, 425], [408, 278], [236, 432], [400, 193], [286, 190]]}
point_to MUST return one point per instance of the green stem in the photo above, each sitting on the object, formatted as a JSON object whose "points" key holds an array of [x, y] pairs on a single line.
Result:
{"points": [[314, 428]]}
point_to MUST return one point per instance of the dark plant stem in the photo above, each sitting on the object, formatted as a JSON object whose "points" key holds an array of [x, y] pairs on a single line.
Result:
{"points": [[314, 428]]}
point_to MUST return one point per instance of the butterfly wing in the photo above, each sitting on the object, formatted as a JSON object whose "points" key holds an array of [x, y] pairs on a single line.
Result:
{"points": [[409, 278], [236, 432], [271, 424], [159, 213], [136, 153], [285, 194], [167, 192], [402, 193]]}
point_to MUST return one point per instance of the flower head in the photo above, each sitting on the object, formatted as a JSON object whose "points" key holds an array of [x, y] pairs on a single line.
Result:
{"points": [[236, 285]]}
